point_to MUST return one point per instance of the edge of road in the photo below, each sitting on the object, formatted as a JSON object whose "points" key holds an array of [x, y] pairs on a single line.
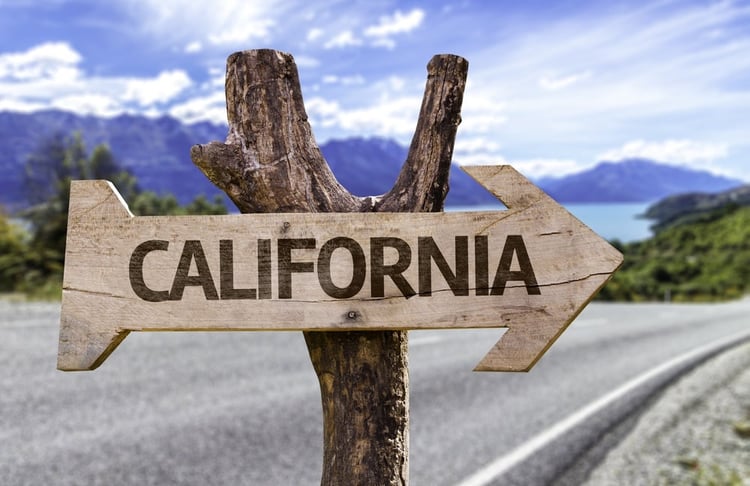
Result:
{"points": [[682, 430], [681, 433], [615, 414], [692, 432]]}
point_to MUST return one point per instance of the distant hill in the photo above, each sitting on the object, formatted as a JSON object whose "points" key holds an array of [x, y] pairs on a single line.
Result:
{"points": [[685, 208], [700, 250], [632, 180], [370, 166], [157, 151], [707, 259]]}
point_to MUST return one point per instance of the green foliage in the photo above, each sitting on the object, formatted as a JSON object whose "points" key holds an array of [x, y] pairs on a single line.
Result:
{"points": [[717, 475], [22, 270], [695, 207], [201, 205], [32, 262], [704, 259], [149, 203], [48, 173], [12, 254]]}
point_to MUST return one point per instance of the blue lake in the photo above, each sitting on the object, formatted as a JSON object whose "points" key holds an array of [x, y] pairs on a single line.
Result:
{"points": [[611, 221]]}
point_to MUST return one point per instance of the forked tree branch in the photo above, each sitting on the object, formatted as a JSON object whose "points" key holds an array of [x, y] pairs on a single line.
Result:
{"points": [[270, 162]]}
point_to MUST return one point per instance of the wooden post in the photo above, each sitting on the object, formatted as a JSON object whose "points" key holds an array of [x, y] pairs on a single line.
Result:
{"points": [[271, 163]]}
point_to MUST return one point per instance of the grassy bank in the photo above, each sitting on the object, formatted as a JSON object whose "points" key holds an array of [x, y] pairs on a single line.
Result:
{"points": [[705, 259]]}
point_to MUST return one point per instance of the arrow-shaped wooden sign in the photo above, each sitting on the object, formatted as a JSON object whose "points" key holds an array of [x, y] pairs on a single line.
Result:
{"points": [[530, 269]]}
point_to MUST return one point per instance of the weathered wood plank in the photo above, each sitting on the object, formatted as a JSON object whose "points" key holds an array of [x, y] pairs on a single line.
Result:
{"points": [[530, 268]]}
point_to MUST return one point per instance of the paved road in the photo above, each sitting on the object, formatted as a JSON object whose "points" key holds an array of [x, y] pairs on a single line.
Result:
{"points": [[243, 408]]}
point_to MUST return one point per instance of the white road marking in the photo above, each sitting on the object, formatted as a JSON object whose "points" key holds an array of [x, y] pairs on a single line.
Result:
{"points": [[504, 463]]}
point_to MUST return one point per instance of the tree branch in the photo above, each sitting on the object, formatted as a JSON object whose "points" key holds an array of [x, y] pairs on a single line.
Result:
{"points": [[271, 163], [422, 183]]}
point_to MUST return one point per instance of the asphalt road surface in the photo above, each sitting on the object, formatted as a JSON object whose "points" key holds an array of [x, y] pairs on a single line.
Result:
{"points": [[243, 408]]}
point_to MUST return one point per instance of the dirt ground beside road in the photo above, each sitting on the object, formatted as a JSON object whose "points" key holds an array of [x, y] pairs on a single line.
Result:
{"points": [[698, 432]]}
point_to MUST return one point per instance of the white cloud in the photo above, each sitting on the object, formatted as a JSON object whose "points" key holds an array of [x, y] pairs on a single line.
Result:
{"points": [[239, 34], [50, 76], [475, 145], [89, 104], [609, 76], [531, 168], [480, 158], [386, 42], [398, 23], [343, 39], [688, 152], [211, 107], [396, 83], [476, 150], [216, 79], [322, 109], [388, 117], [487, 151], [356, 79], [225, 23], [21, 106], [552, 83], [536, 168], [483, 111], [165, 87], [314, 34], [56, 60], [41, 74], [193, 47], [306, 61]]}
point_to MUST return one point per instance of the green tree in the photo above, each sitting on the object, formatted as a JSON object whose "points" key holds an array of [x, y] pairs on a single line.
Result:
{"points": [[201, 205], [13, 250], [702, 258], [48, 173], [149, 203], [102, 165]]}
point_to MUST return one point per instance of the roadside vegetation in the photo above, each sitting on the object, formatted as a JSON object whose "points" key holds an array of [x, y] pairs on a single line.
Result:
{"points": [[32, 245], [705, 256], [700, 252]]}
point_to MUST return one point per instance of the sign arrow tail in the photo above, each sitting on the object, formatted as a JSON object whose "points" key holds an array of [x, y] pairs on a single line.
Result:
{"points": [[84, 342]]}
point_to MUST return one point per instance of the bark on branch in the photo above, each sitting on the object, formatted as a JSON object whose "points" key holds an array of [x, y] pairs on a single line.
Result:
{"points": [[270, 162]]}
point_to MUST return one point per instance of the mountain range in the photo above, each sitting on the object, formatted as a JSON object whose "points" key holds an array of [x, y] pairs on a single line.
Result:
{"points": [[157, 151], [633, 180]]}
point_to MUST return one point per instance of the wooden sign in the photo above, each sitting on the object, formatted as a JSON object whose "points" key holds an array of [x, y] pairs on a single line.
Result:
{"points": [[530, 269]]}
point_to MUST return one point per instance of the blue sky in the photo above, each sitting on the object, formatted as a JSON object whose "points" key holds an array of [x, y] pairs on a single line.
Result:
{"points": [[553, 87]]}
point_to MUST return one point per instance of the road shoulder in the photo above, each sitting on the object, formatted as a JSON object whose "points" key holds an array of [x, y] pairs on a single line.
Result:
{"points": [[690, 434]]}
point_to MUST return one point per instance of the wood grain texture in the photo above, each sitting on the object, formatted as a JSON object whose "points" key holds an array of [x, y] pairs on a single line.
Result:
{"points": [[570, 263]]}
